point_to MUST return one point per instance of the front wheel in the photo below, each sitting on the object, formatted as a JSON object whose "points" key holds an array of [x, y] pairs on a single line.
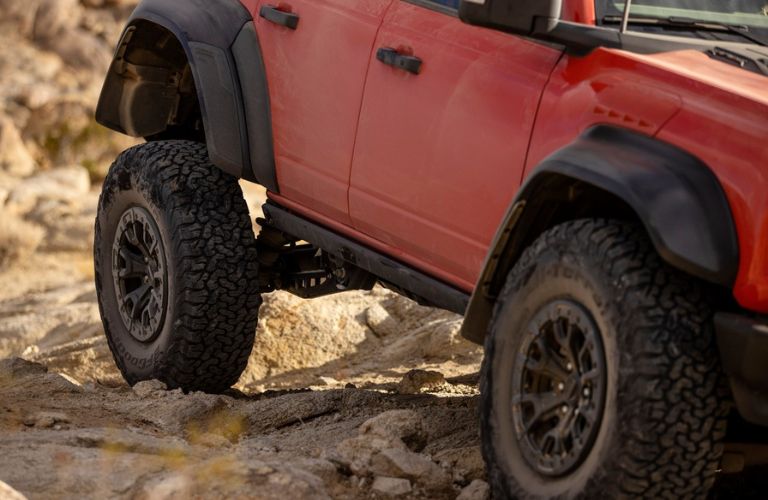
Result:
{"points": [[176, 268], [601, 377]]}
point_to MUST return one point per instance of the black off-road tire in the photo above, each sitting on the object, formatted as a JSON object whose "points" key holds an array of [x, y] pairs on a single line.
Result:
{"points": [[202, 268], [666, 398]]}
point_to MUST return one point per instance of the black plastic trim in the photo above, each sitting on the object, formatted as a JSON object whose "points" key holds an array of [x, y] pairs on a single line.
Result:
{"points": [[274, 15], [256, 103], [430, 290], [233, 98], [221, 106], [581, 39], [677, 198], [391, 57], [743, 343]]}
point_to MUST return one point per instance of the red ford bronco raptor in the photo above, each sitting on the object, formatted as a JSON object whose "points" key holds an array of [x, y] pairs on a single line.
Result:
{"points": [[585, 180]]}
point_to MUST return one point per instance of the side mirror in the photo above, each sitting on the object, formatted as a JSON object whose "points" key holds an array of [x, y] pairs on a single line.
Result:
{"points": [[520, 17]]}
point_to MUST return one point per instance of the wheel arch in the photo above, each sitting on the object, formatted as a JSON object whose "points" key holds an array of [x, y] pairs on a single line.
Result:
{"points": [[201, 61], [616, 173]]}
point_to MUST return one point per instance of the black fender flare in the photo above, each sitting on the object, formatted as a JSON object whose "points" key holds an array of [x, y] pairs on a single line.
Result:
{"points": [[223, 52], [676, 197]]}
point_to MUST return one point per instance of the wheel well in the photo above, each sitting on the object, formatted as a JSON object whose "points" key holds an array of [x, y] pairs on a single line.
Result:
{"points": [[151, 87], [550, 199], [559, 199], [555, 199]]}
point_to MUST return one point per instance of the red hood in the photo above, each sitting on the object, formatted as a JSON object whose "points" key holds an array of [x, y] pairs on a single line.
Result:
{"points": [[698, 66]]}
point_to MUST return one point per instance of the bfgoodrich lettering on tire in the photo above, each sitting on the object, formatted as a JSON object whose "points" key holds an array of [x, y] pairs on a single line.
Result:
{"points": [[176, 268], [601, 377]]}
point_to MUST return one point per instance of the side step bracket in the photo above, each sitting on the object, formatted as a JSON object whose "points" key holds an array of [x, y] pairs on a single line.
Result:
{"points": [[390, 272]]}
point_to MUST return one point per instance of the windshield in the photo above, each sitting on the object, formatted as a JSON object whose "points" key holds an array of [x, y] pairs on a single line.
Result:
{"points": [[752, 14]]}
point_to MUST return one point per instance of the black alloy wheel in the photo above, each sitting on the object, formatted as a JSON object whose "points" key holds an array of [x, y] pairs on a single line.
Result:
{"points": [[559, 390], [140, 274]]}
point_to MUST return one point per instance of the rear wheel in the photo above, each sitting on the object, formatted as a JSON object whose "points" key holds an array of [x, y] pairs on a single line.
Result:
{"points": [[601, 377], [176, 268]]}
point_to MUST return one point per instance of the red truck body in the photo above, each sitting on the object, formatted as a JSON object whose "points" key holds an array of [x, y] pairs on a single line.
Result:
{"points": [[352, 135]]}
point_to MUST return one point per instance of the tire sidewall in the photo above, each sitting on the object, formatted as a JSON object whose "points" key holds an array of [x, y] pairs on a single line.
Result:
{"points": [[145, 359], [554, 276]]}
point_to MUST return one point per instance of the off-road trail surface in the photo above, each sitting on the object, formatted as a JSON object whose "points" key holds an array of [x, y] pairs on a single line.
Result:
{"points": [[360, 395], [347, 396]]}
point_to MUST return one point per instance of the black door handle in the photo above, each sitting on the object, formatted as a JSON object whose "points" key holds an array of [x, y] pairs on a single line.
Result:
{"points": [[277, 16], [392, 57]]}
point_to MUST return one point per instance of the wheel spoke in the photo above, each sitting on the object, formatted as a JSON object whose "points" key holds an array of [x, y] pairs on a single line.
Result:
{"points": [[552, 442], [130, 233], [563, 335], [138, 300], [135, 267], [146, 236], [544, 405], [590, 377], [549, 363], [584, 357]]}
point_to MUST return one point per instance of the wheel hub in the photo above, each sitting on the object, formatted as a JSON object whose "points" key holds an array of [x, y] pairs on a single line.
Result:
{"points": [[559, 387], [139, 274]]}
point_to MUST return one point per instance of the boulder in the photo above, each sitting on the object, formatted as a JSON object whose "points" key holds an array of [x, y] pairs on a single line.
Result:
{"points": [[18, 238], [391, 486], [15, 159], [8, 493], [54, 17], [80, 49], [403, 425], [58, 186], [380, 321], [477, 490], [380, 449], [419, 468], [46, 419], [418, 381], [16, 368], [148, 388]]}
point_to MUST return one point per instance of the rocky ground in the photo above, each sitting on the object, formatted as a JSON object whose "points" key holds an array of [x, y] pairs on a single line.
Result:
{"points": [[362, 394]]}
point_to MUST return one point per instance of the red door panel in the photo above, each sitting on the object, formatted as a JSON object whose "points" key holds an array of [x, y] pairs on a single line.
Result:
{"points": [[440, 155], [316, 75]]}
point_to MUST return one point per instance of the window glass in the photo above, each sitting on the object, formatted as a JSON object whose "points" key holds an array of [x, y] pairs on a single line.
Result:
{"points": [[451, 4], [736, 12]]}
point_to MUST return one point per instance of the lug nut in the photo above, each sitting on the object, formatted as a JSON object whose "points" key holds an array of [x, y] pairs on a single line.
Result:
{"points": [[569, 367], [564, 409], [586, 392], [561, 387]]}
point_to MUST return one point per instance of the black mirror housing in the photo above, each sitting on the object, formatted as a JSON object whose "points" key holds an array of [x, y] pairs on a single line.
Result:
{"points": [[520, 17]]}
